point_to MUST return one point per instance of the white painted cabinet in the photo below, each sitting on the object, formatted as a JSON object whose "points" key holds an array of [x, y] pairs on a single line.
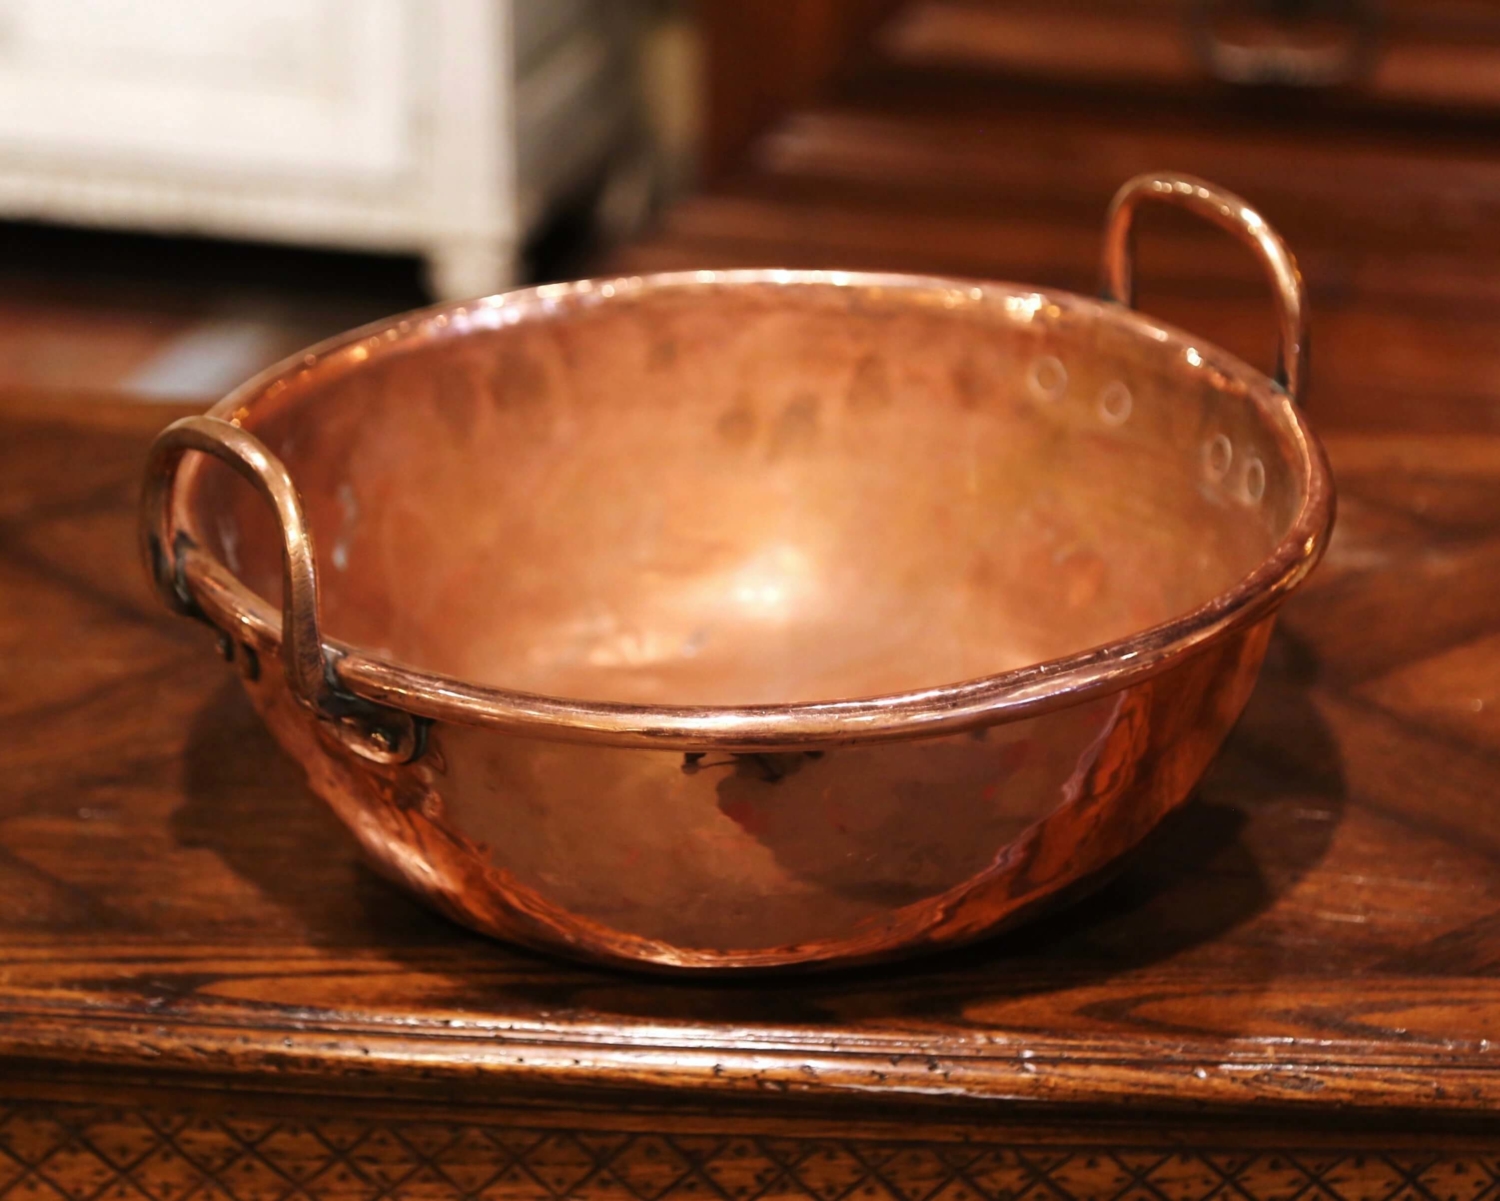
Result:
{"points": [[439, 127]]}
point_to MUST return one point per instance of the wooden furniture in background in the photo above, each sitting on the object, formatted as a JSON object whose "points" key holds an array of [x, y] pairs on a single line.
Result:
{"points": [[1288, 992], [763, 56], [1374, 55], [985, 138]]}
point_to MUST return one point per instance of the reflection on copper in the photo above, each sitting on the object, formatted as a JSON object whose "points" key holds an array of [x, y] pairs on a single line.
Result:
{"points": [[753, 619]]}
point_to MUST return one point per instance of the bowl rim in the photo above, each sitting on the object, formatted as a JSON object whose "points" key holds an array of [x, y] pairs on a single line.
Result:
{"points": [[1005, 696]]}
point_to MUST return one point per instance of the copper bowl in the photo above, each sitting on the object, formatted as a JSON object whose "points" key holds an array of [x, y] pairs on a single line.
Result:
{"points": [[756, 618]]}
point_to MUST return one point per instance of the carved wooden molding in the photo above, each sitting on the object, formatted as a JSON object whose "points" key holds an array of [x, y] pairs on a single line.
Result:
{"points": [[72, 1153]]}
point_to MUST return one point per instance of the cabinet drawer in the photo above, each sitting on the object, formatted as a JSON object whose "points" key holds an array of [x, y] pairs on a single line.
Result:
{"points": [[1418, 53]]}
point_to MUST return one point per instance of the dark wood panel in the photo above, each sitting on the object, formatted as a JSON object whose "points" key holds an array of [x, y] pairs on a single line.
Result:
{"points": [[54, 1151], [1355, 187]]}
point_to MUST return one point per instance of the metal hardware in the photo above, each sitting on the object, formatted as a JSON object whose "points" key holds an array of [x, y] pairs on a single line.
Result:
{"points": [[376, 732], [1286, 63], [1228, 212]]}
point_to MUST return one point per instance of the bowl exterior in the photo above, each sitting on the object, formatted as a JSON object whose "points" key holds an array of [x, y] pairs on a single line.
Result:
{"points": [[844, 818], [820, 856]]}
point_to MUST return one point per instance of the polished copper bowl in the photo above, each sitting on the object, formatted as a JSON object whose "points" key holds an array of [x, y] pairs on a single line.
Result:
{"points": [[754, 618]]}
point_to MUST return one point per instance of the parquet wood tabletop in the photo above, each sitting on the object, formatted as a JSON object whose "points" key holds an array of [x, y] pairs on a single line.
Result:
{"points": [[1290, 991], [196, 973]]}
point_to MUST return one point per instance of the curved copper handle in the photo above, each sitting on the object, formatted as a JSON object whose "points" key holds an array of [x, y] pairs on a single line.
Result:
{"points": [[1229, 212], [375, 731]]}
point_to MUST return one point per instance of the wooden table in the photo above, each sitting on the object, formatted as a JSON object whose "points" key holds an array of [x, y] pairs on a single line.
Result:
{"points": [[1290, 992]]}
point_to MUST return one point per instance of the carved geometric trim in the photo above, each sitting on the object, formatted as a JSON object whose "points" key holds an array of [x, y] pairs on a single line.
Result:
{"points": [[53, 1152]]}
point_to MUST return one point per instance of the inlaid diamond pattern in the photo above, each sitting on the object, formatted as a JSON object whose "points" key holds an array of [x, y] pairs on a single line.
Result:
{"points": [[1077, 1174], [560, 1164], [30, 1138], [739, 1169], [207, 1146], [122, 1190], [250, 1178], [472, 1160], [340, 1182], [77, 1171], [1360, 1177], [11, 1170], [513, 1184], [1000, 1174], [383, 1158], [912, 1173], [64, 1153], [425, 1184], [169, 1175], [119, 1139], [829, 1172], [294, 1151], [652, 1165], [1279, 1176], [32, 1187], [1459, 1179], [1181, 1177], [955, 1190]]}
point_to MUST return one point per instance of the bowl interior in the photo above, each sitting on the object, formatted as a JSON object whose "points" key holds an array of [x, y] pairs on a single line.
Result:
{"points": [[748, 491]]}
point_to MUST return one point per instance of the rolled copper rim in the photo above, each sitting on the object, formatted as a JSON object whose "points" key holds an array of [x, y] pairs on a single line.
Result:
{"points": [[1009, 695]]}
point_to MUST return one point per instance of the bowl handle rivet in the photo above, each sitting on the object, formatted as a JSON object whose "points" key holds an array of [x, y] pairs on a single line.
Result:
{"points": [[376, 732]]}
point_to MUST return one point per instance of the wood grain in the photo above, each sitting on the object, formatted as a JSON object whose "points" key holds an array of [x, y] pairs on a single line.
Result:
{"points": [[1290, 991], [65, 1151], [1316, 934]]}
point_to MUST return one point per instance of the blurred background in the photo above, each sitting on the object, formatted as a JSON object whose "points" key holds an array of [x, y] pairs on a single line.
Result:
{"points": [[190, 191]]}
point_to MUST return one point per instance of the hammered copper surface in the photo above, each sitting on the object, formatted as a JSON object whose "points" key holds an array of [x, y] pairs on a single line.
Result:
{"points": [[760, 618]]}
